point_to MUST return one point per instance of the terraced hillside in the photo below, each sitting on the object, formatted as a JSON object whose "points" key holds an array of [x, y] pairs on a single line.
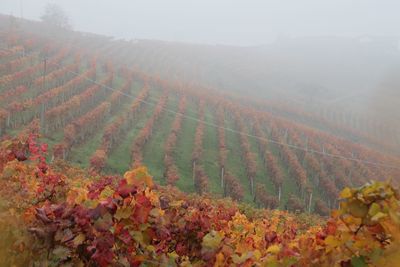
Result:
{"points": [[110, 118]]}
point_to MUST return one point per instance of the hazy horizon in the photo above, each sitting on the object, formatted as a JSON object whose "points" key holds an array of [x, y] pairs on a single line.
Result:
{"points": [[241, 23]]}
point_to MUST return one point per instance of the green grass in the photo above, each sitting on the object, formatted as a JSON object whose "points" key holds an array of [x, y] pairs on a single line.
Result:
{"points": [[80, 154], [184, 148], [119, 160], [153, 152], [53, 139], [210, 154]]}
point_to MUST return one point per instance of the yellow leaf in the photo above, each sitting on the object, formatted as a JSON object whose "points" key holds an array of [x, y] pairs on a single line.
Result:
{"points": [[91, 204], [138, 177], [378, 216], [151, 248], [107, 192], [123, 213], [156, 212], [346, 193], [240, 259], [257, 254], [373, 209], [138, 237], [274, 249], [77, 196], [331, 243], [79, 239], [176, 203], [219, 260], [335, 213], [173, 255], [212, 239], [154, 198]]}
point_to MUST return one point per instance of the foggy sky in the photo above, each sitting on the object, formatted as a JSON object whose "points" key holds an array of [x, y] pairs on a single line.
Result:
{"points": [[245, 22]]}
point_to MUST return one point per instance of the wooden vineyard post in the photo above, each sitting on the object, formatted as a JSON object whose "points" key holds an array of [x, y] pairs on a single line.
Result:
{"points": [[279, 193], [222, 176], [194, 171], [42, 107]]}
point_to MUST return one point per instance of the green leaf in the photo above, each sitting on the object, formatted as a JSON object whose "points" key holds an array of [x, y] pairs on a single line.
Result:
{"points": [[373, 209], [378, 216], [212, 240], [138, 237], [241, 259], [358, 262], [61, 253], [358, 209], [376, 254], [123, 213]]}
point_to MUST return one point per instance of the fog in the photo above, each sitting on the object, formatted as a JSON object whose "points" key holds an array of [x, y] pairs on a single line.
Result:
{"points": [[224, 21]]}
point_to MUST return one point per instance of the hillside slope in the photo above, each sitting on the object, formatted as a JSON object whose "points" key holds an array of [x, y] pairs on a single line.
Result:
{"points": [[338, 85], [108, 117]]}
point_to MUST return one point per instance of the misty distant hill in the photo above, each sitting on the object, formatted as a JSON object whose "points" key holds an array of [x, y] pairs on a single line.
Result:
{"points": [[346, 82]]}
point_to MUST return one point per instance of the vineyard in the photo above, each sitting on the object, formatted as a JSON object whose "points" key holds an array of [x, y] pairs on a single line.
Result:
{"points": [[101, 115], [58, 215], [109, 156]]}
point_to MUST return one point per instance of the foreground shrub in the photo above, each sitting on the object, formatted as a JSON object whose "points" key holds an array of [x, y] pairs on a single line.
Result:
{"points": [[61, 216]]}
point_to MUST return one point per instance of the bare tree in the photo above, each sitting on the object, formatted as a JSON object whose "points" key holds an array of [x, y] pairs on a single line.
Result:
{"points": [[54, 15]]}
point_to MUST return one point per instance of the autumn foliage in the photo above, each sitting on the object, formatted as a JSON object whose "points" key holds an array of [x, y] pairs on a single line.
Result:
{"points": [[57, 215]]}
